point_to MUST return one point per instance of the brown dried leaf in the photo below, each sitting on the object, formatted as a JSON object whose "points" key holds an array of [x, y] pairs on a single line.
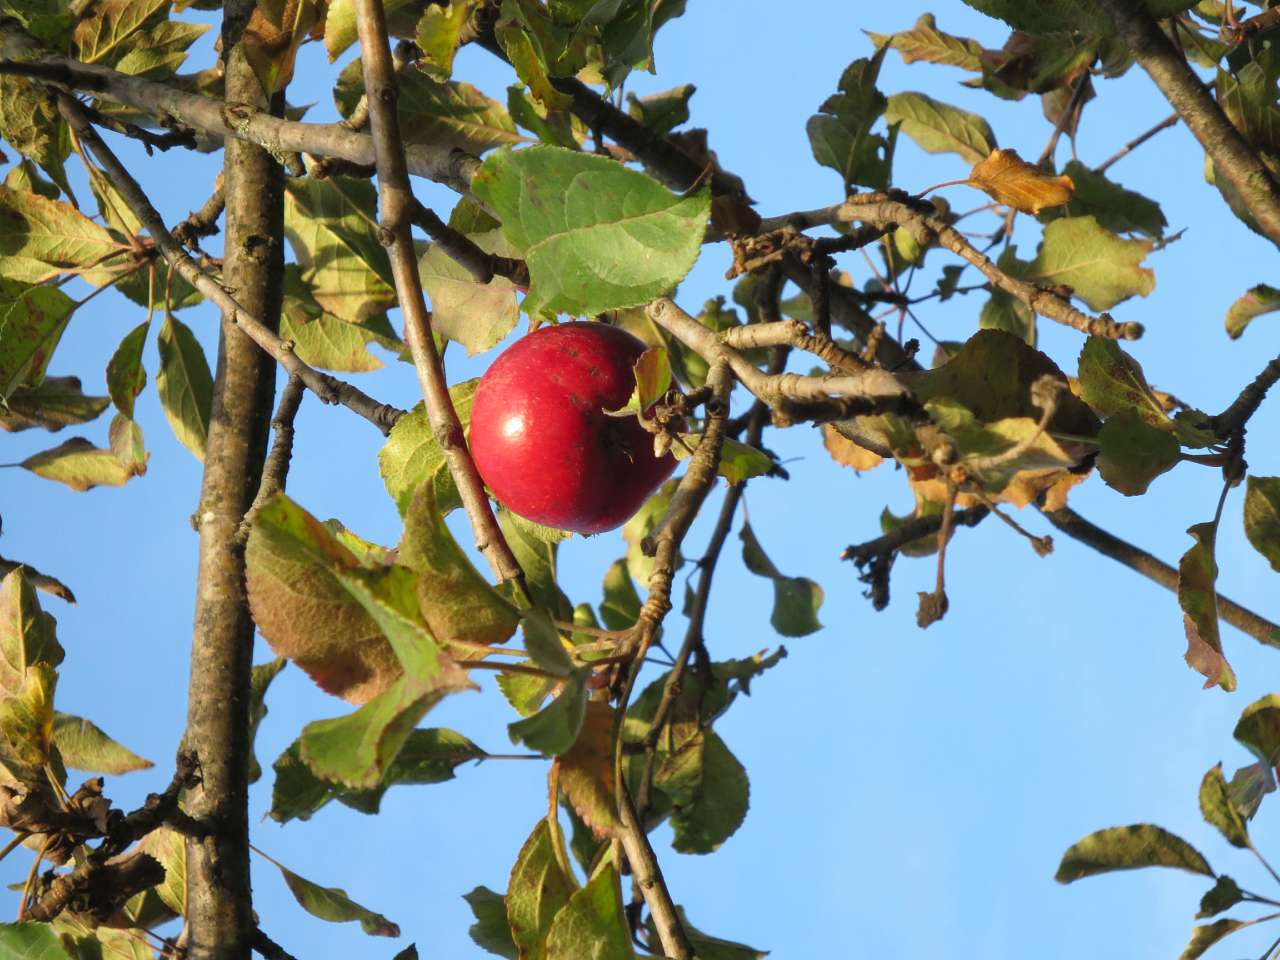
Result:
{"points": [[1008, 179], [847, 453]]}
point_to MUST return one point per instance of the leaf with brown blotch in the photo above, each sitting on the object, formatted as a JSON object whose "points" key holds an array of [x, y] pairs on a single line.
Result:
{"points": [[586, 771], [1007, 178], [1197, 573]]}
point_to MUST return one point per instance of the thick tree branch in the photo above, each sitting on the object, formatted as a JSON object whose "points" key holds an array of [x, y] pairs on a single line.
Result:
{"points": [[219, 916], [897, 210], [397, 207], [19, 56], [790, 395], [329, 389], [1233, 157]]}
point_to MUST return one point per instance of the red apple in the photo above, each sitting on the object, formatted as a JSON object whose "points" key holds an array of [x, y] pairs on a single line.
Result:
{"points": [[542, 441]]}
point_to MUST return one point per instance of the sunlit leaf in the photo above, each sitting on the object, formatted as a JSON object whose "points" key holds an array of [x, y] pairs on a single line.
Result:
{"points": [[720, 805], [1128, 848], [81, 466], [554, 728], [83, 746], [42, 238], [941, 128], [620, 607], [1007, 178], [473, 314], [31, 941], [538, 889], [491, 930], [31, 323], [1116, 209], [1248, 306], [1133, 453], [1218, 810], [1262, 517], [125, 374], [1259, 729], [926, 42], [185, 385], [1101, 268], [586, 771], [412, 454], [333, 904], [595, 234], [592, 925]]}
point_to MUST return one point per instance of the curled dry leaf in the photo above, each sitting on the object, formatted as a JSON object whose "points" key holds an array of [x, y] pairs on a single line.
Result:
{"points": [[1008, 179], [847, 453]]}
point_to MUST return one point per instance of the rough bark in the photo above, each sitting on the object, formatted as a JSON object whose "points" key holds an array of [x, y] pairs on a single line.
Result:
{"points": [[219, 907]]}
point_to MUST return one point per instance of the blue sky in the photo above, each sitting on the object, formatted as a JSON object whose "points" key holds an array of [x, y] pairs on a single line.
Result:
{"points": [[912, 791]]}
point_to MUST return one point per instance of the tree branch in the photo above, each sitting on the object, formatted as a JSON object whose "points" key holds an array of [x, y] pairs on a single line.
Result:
{"points": [[397, 207], [1135, 558], [1246, 405], [896, 210], [460, 248], [1233, 156], [329, 389], [21, 57], [276, 470], [219, 915]]}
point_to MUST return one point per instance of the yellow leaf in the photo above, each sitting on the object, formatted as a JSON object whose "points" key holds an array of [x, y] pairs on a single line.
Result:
{"points": [[847, 453], [1007, 178]]}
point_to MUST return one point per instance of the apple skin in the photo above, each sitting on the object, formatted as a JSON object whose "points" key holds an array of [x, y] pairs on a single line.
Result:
{"points": [[542, 441]]}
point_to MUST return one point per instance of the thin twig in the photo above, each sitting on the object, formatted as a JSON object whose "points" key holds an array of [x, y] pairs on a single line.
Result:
{"points": [[329, 389], [276, 469], [268, 948], [203, 222], [1135, 558], [396, 208], [1137, 141]]}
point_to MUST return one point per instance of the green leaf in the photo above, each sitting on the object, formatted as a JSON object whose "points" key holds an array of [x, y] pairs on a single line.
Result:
{"points": [[652, 371], [1258, 729], [796, 600], [620, 608], [80, 465], [426, 757], [31, 323], [538, 889], [840, 133], [641, 525], [1101, 268], [259, 680], [83, 746], [26, 632], [1202, 938], [473, 314], [30, 122], [185, 385], [1115, 208], [42, 238], [1262, 517], [1133, 453], [412, 455], [664, 111], [323, 340], [57, 402], [333, 904], [542, 641], [31, 941], [456, 602], [596, 235], [1254, 303], [332, 225], [127, 444], [586, 772], [1112, 382], [447, 114], [554, 728], [108, 26], [26, 727], [439, 33], [554, 126], [1218, 811], [926, 42], [1004, 312], [1223, 895], [1128, 848], [592, 925], [125, 374], [1248, 786], [941, 128], [1198, 597], [537, 557], [720, 805], [490, 931]]}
